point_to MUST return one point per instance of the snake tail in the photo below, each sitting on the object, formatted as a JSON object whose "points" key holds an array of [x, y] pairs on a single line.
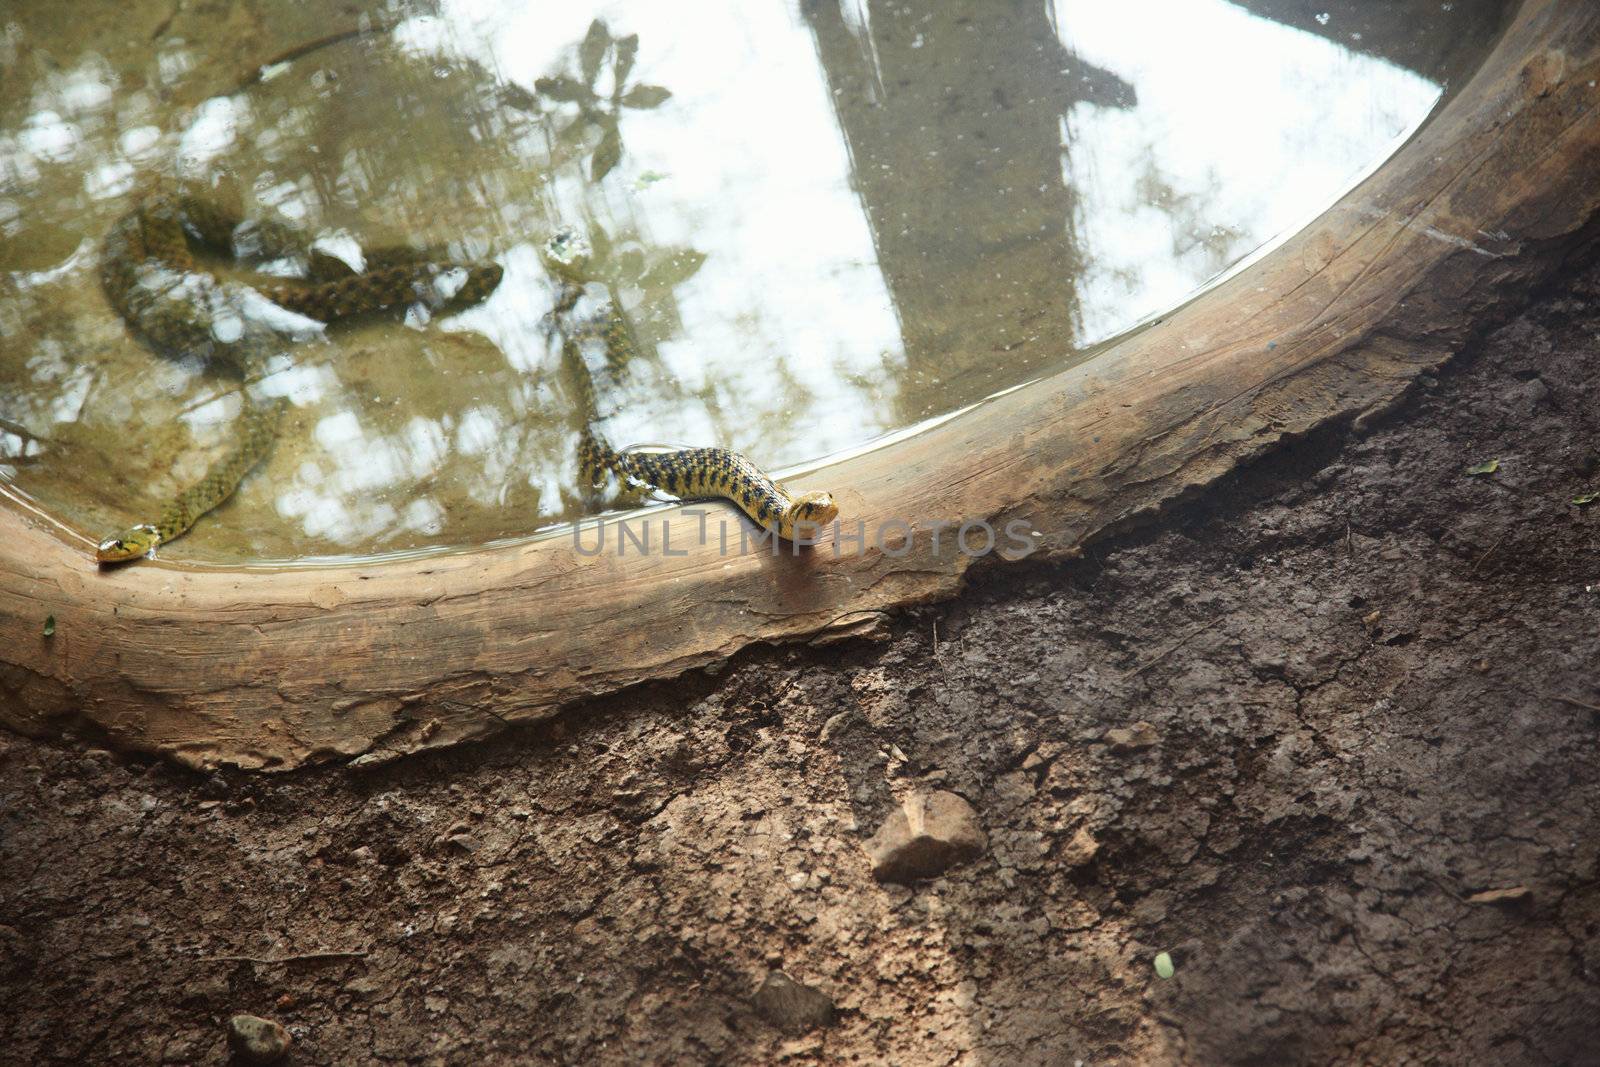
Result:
{"points": [[151, 278], [250, 442]]}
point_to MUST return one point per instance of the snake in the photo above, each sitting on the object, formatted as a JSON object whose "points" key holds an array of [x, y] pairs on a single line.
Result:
{"points": [[151, 278], [706, 473]]}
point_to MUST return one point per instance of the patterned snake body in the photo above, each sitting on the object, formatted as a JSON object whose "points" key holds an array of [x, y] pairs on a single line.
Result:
{"points": [[686, 473], [151, 278]]}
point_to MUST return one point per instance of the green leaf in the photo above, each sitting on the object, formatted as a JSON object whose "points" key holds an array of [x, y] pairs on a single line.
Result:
{"points": [[1486, 467], [607, 155], [49, 625], [649, 177], [627, 49], [563, 88], [593, 50], [1164, 968], [674, 268], [646, 96], [1585, 499]]}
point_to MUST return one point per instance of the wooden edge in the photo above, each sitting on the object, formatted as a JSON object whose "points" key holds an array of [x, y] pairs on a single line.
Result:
{"points": [[274, 669]]}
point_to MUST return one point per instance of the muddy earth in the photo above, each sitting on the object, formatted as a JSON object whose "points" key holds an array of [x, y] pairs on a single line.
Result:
{"points": [[1326, 736]]}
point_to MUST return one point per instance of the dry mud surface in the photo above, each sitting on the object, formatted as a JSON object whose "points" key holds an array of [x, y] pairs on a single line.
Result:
{"points": [[1352, 790]]}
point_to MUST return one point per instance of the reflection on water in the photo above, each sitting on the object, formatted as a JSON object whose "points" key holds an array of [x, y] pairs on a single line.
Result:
{"points": [[825, 223]]}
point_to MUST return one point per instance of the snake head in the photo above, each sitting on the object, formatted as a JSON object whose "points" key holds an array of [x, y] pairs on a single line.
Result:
{"points": [[131, 543], [806, 516], [567, 254]]}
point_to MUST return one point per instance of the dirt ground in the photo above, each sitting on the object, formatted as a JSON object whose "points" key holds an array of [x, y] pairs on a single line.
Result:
{"points": [[1361, 818]]}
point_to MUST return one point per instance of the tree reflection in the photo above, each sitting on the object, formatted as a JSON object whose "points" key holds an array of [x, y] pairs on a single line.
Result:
{"points": [[840, 220], [602, 113], [964, 101]]}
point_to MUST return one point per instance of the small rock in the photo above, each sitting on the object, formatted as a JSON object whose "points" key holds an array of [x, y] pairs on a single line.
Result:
{"points": [[931, 833], [465, 842], [363, 985], [258, 1040], [1081, 849], [790, 1006], [834, 725], [1524, 399], [1501, 896], [1131, 738]]}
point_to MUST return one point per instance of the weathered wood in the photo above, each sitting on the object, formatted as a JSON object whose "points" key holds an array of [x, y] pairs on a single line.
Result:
{"points": [[272, 669]]}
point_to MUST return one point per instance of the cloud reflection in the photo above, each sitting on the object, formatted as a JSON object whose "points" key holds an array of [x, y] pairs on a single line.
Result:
{"points": [[847, 217]]}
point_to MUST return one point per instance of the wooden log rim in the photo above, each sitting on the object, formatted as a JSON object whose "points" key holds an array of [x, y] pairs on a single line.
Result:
{"points": [[273, 669]]}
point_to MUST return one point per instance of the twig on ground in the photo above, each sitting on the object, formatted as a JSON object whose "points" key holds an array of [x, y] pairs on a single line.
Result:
{"points": [[1165, 652], [1574, 701], [327, 954], [1486, 555]]}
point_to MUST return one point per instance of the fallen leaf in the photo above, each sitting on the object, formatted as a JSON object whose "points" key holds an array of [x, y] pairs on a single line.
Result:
{"points": [[1585, 499], [1486, 467]]}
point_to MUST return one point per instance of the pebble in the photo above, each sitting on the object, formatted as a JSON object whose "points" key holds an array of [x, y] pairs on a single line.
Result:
{"points": [[791, 1006], [1131, 738], [258, 1040], [1081, 849], [929, 834], [464, 842]]}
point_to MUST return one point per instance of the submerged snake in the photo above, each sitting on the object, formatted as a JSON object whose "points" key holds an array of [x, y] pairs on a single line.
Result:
{"points": [[153, 281], [686, 473], [150, 276]]}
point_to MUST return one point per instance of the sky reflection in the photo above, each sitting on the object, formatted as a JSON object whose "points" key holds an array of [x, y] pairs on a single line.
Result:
{"points": [[845, 218]]}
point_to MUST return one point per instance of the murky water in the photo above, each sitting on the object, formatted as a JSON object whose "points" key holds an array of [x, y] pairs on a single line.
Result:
{"points": [[826, 221]]}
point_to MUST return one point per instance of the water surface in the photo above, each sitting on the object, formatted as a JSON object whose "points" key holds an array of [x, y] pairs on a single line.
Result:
{"points": [[826, 221]]}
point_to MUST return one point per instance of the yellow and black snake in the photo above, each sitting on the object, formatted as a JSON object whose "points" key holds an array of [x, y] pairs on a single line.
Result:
{"points": [[686, 473], [151, 278]]}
